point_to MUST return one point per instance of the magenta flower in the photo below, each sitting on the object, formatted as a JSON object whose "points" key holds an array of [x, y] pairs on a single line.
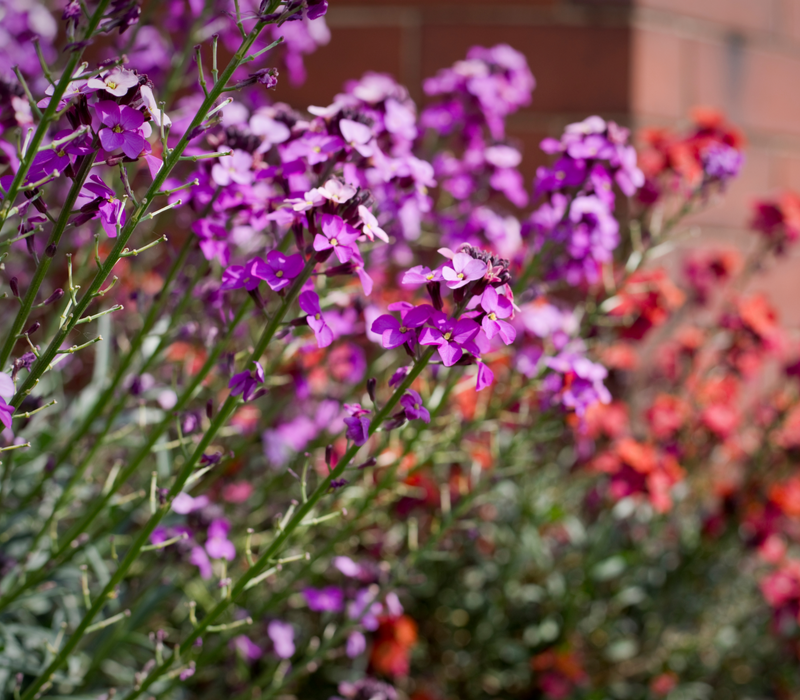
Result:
{"points": [[314, 148], [450, 336], [184, 504], [394, 333], [282, 636], [218, 546], [336, 191], [338, 235], [357, 429], [5, 413], [233, 169], [309, 302], [356, 644], [421, 275], [122, 128], [245, 384], [465, 269], [200, 559], [246, 647], [328, 599], [106, 204], [497, 308], [278, 270], [117, 82], [358, 136], [370, 228], [57, 159], [412, 404], [485, 377], [238, 276]]}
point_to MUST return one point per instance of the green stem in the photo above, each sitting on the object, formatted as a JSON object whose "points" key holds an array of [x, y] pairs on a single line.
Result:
{"points": [[41, 365], [48, 115], [281, 538], [44, 264], [133, 552]]}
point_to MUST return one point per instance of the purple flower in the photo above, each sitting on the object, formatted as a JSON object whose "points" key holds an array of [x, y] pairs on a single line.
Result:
{"points": [[314, 148], [449, 337], [497, 308], [200, 559], [338, 236], [412, 404], [279, 269], [358, 136], [357, 429], [282, 636], [309, 302], [421, 275], [57, 159], [722, 162], [365, 609], [234, 168], [356, 644], [485, 377], [337, 191], [465, 269], [245, 384], [370, 225], [184, 504], [347, 566], [110, 208], [122, 128], [246, 647], [117, 82], [218, 546], [328, 599], [585, 386], [394, 333], [5, 413]]}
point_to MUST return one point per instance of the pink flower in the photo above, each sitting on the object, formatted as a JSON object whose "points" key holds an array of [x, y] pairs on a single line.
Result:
{"points": [[122, 128], [338, 236], [465, 269], [309, 302]]}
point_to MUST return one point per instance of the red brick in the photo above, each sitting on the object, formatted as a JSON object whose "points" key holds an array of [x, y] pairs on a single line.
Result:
{"points": [[656, 59], [759, 15], [577, 69], [351, 52], [770, 99]]}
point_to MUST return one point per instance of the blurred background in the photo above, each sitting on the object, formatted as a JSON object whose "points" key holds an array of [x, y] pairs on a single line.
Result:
{"points": [[639, 62]]}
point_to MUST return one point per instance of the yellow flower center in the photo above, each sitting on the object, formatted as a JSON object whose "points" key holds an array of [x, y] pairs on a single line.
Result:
{"points": [[403, 329], [317, 316], [460, 275], [429, 277], [112, 85], [416, 406], [492, 316], [448, 335], [334, 241], [279, 273], [117, 129]]}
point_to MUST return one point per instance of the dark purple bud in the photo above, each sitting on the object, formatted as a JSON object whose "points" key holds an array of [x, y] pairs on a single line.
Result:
{"points": [[54, 297], [50, 465], [50, 251], [30, 245], [338, 483], [268, 77], [395, 421], [34, 327], [435, 293], [328, 455], [323, 255], [316, 8], [371, 462], [209, 409], [371, 384], [343, 269], [72, 11], [257, 298], [14, 284]]}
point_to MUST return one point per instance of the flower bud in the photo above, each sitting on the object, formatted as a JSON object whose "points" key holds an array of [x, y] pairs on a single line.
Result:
{"points": [[50, 251], [54, 297], [33, 328], [371, 384], [209, 409], [14, 284]]}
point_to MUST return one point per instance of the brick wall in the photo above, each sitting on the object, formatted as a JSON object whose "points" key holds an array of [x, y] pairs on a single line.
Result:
{"points": [[639, 62]]}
